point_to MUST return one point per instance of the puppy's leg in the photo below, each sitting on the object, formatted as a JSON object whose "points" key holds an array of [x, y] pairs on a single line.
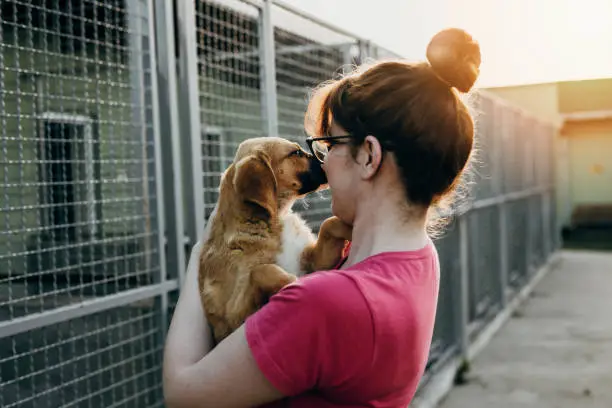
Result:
{"points": [[264, 281], [221, 331], [327, 251], [270, 278]]}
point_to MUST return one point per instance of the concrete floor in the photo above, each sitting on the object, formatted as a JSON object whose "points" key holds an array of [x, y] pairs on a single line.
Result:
{"points": [[556, 350]]}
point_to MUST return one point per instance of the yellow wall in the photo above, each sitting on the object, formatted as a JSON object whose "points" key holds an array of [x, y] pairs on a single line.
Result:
{"points": [[583, 150], [590, 146], [580, 96], [540, 99], [586, 165]]}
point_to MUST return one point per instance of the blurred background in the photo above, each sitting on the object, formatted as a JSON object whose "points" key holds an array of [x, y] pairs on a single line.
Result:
{"points": [[118, 117]]}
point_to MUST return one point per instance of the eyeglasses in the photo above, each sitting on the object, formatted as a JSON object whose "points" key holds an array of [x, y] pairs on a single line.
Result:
{"points": [[319, 146]]}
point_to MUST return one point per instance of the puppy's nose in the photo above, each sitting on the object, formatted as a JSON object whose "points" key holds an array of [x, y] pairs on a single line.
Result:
{"points": [[313, 178], [317, 172]]}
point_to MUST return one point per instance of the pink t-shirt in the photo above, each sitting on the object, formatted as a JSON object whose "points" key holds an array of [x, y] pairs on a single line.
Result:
{"points": [[350, 338]]}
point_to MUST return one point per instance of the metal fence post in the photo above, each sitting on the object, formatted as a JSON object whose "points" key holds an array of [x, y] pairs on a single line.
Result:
{"points": [[527, 201], [156, 167], [267, 69], [365, 51], [543, 183], [498, 146], [190, 124], [464, 289], [372, 50], [144, 56], [552, 146], [347, 58], [169, 127], [545, 213]]}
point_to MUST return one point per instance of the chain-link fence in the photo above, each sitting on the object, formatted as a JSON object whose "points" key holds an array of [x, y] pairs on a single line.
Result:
{"points": [[102, 100]]}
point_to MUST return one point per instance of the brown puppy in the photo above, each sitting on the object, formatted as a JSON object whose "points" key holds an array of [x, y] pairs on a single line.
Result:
{"points": [[257, 245]]}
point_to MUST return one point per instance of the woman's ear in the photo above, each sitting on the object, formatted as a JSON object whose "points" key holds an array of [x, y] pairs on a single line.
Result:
{"points": [[370, 157]]}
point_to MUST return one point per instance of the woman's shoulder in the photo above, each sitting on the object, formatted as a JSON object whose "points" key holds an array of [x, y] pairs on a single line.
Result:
{"points": [[329, 291], [422, 263]]}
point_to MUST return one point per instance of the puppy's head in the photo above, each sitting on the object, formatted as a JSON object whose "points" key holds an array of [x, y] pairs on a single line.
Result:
{"points": [[271, 173]]}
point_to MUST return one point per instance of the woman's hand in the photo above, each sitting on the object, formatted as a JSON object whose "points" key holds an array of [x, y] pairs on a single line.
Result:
{"points": [[193, 375]]}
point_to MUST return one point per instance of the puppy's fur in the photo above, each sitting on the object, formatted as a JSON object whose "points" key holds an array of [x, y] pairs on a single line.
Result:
{"points": [[257, 245]]}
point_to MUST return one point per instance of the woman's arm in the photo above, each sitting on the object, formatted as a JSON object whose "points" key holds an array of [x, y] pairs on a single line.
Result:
{"points": [[195, 376], [189, 337], [228, 376]]}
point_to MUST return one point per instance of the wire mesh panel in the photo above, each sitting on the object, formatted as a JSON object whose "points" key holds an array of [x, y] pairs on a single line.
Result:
{"points": [[483, 260], [306, 54], [545, 179], [540, 160], [228, 41], [543, 157], [529, 142], [381, 53], [108, 359], [484, 166], [445, 330], [74, 164], [536, 237], [517, 241], [501, 118], [78, 204], [555, 235], [511, 146]]}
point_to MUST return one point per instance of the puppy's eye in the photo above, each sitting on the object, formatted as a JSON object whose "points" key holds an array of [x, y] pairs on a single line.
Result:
{"points": [[298, 153]]}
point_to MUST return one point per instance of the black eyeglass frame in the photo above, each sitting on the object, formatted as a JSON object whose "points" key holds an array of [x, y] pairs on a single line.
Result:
{"points": [[311, 140]]}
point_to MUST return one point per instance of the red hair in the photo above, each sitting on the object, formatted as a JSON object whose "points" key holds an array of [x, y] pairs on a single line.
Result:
{"points": [[413, 109]]}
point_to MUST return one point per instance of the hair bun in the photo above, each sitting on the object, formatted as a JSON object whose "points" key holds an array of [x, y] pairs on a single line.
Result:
{"points": [[455, 58]]}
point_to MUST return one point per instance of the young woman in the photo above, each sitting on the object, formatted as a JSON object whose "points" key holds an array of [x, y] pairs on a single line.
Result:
{"points": [[394, 140]]}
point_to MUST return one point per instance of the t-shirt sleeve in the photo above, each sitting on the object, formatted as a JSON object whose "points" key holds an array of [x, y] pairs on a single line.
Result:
{"points": [[316, 332]]}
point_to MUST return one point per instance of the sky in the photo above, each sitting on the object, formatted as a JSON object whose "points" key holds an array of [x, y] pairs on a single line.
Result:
{"points": [[522, 41]]}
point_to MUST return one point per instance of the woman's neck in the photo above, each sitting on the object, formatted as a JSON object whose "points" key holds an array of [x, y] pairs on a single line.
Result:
{"points": [[383, 227]]}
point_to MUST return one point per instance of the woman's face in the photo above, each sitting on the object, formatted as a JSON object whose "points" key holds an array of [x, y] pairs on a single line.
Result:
{"points": [[342, 177], [351, 179]]}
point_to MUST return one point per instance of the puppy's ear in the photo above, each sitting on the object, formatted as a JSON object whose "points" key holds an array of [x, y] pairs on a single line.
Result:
{"points": [[255, 182]]}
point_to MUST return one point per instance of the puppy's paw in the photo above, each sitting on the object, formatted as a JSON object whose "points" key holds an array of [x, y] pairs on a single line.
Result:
{"points": [[335, 229], [330, 245]]}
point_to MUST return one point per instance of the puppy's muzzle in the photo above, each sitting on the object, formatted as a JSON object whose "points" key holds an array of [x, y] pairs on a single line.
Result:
{"points": [[313, 178]]}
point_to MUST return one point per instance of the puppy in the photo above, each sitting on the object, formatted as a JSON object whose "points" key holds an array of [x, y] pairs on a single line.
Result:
{"points": [[257, 244]]}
